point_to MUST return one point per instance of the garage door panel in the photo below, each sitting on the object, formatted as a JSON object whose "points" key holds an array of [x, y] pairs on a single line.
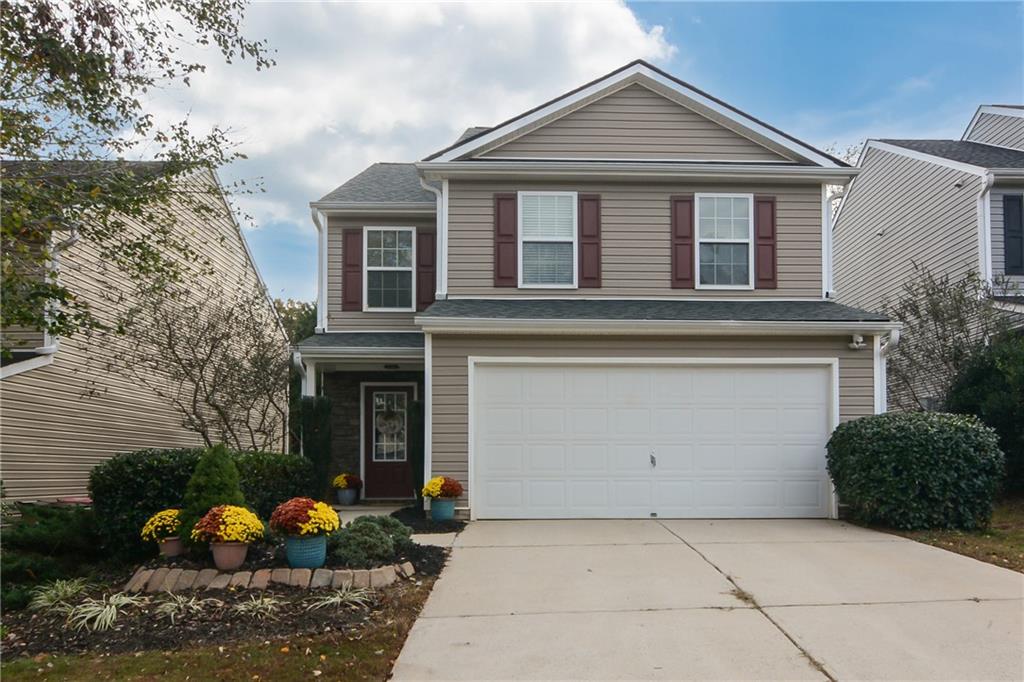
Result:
{"points": [[569, 441]]}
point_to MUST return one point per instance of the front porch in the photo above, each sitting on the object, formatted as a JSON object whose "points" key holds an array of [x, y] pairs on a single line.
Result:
{"points": [[375, 383]]}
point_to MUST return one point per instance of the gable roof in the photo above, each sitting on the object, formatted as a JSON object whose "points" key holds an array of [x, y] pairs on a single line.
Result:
{"points": [[641, 71], [381, 183], [1016, 110], [972, 153]]}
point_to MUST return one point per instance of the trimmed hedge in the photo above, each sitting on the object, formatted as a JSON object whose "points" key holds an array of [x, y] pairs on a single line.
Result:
{"points": [[128, 488], [916, 470]]}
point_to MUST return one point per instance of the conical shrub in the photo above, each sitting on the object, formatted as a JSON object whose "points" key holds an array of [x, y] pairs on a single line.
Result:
{"points": [[214, 482]]}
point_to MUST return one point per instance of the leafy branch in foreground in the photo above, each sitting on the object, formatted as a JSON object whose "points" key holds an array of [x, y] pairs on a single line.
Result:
{"points": [[74, 75]]}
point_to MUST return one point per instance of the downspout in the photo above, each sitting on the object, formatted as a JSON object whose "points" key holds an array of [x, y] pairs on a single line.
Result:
{"points": [[441, 223], [985, 226], [321, 274], [52, 345]]}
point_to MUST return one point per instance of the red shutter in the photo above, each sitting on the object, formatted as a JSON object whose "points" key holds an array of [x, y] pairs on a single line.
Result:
{"points": [[765, 251], [589, 216], [352, 270], [426, 270], [682, 242], [505, 247]]}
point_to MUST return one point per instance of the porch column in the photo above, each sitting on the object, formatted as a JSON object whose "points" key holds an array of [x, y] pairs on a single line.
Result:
{"points": [[309, 379]]}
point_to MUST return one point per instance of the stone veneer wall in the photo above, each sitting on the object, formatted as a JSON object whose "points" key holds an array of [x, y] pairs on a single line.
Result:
{"points": [[343, 390]]}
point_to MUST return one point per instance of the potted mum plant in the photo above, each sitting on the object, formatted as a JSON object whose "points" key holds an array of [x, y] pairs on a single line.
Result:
{"points": [[305, 524], [162, 528], [442, 491], [348, 486], [229, 530]]}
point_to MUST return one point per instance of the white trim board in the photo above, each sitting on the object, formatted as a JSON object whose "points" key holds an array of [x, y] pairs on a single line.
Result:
{"points": [[830, 362], [16, 368], [643, 74]]}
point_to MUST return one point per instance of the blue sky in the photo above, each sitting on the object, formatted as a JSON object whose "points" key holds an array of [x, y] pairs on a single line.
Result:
{"points": [[359, 83]]}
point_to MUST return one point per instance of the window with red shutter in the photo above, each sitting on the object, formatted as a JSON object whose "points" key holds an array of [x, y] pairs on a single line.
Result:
{"points": [[682, 242], [352, 269], [426, 269], [505, 247], [589, 216], [765, 250]]}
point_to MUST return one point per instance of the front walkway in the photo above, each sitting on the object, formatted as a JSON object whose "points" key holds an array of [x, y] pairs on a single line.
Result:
{"points": [[673, 599]]}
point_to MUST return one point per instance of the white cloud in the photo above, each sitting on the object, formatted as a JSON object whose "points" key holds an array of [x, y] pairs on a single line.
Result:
{"points": [[362, 82]]}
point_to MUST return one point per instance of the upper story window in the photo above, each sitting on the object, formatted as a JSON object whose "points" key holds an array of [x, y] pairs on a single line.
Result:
{"points": [[725, 229], [388, 274], [547, 239]]}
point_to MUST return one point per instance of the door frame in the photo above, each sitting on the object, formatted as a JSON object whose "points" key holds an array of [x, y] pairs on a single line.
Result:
{"points": [[829, 362], [362, 421]]}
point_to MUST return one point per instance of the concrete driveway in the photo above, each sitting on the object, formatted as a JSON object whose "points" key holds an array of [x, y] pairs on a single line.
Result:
{"points": [[672, 599]]}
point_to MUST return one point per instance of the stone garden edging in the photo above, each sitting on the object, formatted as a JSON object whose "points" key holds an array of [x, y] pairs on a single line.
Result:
{"points": [[178, 579]]}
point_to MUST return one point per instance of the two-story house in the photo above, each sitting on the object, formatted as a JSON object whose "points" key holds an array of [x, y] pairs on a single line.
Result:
{"points": [[615, 304], [951, 207]]}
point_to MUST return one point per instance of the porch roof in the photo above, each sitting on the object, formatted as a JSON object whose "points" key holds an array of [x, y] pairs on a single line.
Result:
{"points": [[361, 344]]}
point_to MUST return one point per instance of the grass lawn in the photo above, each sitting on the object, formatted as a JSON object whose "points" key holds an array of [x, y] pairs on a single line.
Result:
{"points": [[1002, 543], [331, 656]]}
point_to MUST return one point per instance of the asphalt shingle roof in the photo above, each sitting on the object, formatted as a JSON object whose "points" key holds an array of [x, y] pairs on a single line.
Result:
{"points": [[740, 311], [974, 153], [410, 340], [382, 182]]}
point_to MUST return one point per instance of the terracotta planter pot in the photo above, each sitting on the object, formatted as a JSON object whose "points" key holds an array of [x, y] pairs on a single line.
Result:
{"points": [[348, 496], [172, 546], [227, 556]]}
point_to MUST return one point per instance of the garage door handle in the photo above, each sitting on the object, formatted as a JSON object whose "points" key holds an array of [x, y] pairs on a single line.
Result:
{"points": [[654, 460]]}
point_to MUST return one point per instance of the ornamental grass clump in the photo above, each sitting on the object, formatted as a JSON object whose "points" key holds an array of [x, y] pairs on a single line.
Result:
{"points": [[302, 516], [228, 523]]}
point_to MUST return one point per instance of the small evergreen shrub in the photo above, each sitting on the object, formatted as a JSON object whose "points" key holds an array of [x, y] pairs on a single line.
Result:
{"points": [[916, 470], [991, 387], [215, 482], [362, 545], [399, 533], [54, 530], [268, 479]]}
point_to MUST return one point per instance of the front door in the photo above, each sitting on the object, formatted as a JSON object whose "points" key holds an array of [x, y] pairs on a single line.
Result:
{"points": [[388, 473]]}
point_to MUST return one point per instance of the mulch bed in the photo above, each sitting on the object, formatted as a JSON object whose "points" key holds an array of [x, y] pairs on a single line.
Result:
{"points": [[142, 628], [414, 517]]}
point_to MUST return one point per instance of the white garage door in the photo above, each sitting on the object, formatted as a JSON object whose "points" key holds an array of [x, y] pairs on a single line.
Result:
{"points": [[586, 441]]}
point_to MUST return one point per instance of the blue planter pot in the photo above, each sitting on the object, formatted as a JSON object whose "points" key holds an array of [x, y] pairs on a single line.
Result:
{"points": [[306, 552], [348, 496], [442, 509]]}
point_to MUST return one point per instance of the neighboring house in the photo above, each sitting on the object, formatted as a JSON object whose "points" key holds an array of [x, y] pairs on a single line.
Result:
{"points": [[949, 206], [612, 305], [67, 404]]}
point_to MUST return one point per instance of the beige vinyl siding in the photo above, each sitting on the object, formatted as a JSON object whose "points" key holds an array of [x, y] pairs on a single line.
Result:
{"points": [[923, 218], [450, 354], [1004, 131], [23, 339], [1016, 282], [60, 420], [635, 239], [339, 320], [634, 123]]}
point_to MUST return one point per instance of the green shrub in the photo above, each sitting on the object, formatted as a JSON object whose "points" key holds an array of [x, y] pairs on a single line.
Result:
{"points": [[129, 488], [362, 545], [315, 414], [991, 387], [399, 533], [268, 479], [52, 530], [214, 482], [915, 470]]}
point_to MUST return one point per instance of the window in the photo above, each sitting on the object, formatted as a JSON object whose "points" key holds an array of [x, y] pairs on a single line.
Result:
{"points": [[389, 268], [547, 239], [389, 425], [725, 229]]}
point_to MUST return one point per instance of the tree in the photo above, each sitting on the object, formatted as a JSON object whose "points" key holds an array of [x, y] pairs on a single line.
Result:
{"points": [[74, 75], [299, 320], [946, 323], [214, 482], [218, 357], [991, 387]]}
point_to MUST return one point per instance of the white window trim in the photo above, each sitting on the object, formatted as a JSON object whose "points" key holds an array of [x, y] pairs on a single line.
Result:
{"points": [[575, 240], [749, 286], [366, 269]]}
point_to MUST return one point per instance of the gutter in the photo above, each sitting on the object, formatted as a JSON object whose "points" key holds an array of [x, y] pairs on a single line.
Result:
{"points": [[441, 244], [357, 207], [467, 325], [434, 170], [321, 269]]}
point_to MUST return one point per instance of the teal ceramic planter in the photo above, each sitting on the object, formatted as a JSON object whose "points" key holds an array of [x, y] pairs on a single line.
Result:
{"points": [[442, 509], [306, 552]]}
